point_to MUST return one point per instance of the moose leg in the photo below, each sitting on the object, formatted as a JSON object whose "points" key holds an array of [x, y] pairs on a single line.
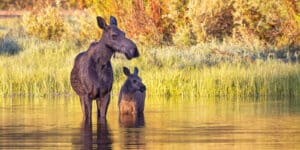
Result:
{"points": [[89, 109], [98, 107], [102, 105], [86, 106], [83, 107]]}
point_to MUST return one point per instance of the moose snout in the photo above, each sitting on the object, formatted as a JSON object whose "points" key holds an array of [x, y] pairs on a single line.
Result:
{"points": [[143, 89], [132, 53], [133, 50], [136, 53]]}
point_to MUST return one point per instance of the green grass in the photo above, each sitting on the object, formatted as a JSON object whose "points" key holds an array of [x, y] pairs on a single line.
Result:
{"points": [[42, 67], [185, 72]]}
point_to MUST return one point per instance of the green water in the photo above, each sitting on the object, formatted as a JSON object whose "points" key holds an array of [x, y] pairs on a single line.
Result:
{"points": [[173, 123]]}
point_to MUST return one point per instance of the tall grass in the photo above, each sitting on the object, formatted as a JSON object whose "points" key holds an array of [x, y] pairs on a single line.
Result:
{"points": [[43, 68], [188, 72]]}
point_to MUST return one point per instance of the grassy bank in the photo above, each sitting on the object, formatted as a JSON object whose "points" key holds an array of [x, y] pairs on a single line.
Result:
{"points": [[42, 67]]}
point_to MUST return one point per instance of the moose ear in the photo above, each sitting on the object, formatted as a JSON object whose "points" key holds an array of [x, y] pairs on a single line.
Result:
{"points": [[136, 71], [126, 71], [113, 21], [101, 22]]}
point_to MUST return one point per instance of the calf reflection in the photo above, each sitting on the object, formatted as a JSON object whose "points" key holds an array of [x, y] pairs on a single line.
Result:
{"points": [[132, 120], [103, 140], [133, 134]]}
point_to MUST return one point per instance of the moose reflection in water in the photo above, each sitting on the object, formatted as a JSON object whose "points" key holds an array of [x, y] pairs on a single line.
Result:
{"points": [[92, 73], [132, 120], [103, 140], [132, 131]]}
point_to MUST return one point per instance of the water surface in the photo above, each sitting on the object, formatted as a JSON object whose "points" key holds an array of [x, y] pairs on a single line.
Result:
{"points": [[173, 123]]}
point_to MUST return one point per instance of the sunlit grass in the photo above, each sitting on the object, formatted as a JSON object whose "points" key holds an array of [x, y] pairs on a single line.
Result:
{"points": [[188, 72], [42, 67]]}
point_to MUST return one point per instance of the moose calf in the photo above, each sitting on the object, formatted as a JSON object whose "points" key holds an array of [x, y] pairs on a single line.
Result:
{"points": [[132, 94]]}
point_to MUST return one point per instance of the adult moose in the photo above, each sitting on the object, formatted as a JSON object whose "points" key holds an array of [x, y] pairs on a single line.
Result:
{"points": [[92, 73]]}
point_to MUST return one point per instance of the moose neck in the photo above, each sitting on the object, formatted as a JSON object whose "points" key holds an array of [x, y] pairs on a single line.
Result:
{"points": [[100, 53], [128, 94]]}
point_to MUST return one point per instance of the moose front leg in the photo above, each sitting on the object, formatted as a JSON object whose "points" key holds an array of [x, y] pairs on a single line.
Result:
{"points": [[102, 105], [86, 106]]}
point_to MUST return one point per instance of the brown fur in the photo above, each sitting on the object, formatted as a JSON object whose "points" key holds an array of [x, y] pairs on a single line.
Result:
{"points": [[128, 107], [132, 94]]}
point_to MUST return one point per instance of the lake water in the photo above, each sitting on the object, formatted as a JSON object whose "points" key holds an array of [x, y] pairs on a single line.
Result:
{"points": [[168, 123]]}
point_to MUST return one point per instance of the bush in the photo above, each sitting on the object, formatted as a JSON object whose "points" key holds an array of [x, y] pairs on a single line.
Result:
{"points": [[45, 22], [184, 36], [211, 19], [273, 22], [82, 28]]}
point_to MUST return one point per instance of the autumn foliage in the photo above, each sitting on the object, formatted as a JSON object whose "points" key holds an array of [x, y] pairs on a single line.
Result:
{"points": [[274, 23]]}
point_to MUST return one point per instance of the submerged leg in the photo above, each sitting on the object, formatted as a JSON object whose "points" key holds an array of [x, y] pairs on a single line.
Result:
{"points": [[98, 107]]}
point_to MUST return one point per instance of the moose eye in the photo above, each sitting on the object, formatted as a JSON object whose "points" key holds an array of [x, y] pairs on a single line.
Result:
{"points": [[134, 81], [114, 36]]}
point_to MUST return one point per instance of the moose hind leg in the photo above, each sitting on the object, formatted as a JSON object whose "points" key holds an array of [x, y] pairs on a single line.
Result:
{"points": [[102, 105], [98, 107]]}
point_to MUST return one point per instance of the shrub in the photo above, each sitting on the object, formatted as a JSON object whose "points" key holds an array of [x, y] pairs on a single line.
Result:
{"points": [[45, 22], [81, 28], [211, 19], [273, 22], [184, 36]]}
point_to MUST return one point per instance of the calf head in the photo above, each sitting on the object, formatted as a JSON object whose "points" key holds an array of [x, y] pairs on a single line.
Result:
{"points": [[134, 82], [115, 39]]}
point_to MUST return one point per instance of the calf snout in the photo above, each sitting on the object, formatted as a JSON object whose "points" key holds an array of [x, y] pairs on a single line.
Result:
{"points": [[143, 88]]}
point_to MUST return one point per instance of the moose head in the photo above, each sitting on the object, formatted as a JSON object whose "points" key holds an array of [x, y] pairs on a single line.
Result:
{"points": [[134, 82], [115, 39]]}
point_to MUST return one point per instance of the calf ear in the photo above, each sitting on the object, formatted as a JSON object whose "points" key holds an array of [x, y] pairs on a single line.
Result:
{"points": [[113, 21], [126, 71], [101, 22], [136, 71]]}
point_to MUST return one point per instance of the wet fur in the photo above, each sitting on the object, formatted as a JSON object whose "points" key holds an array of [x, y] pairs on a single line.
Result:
{"points": [[132, 94], [132, 103]]}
